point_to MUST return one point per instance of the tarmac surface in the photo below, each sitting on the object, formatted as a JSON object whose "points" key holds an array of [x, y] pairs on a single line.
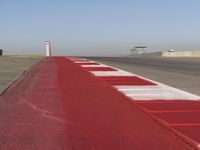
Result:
{"points": [[11, 68], [58, 104], [181, 73]]}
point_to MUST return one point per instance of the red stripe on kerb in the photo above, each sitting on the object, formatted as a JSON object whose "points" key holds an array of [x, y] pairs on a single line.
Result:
{"points": [[100, 69], [190, 131], [170, 105], [179, 117], [184, 124], [126, 80]]}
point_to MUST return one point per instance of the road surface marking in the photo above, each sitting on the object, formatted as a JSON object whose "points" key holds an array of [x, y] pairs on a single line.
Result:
{"points": [[111, 73], [80, 61], [100, 65], [148, 92]]}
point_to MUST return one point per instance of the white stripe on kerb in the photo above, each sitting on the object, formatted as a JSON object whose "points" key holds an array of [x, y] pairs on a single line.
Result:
{"points": [[158, 92], [76, 59], [90, 66], [160, 97], [111, 73], [139, 88], [148, 91]]}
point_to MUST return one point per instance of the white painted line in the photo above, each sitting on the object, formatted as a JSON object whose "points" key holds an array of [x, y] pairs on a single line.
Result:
{"points": [[90, 66], [111, 73], [161, 97], [124, 72], [148, 92], [79, 61], [158, 92], [73, 59], [83, 59], [164, 95], [134, 88]]}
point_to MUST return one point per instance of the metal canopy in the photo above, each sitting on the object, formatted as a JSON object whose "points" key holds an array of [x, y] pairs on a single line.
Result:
{"points": [[140, 47]]}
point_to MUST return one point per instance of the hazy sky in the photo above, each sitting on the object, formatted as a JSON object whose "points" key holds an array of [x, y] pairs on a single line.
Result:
{"points": [[98, 27]]}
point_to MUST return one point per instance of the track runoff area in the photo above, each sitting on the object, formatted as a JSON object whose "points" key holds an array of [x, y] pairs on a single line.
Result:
{"points": [[77, 104], [173, 108]]}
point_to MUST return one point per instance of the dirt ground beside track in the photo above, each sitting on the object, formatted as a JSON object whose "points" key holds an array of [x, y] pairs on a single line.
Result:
{"points": [[12, 67]]}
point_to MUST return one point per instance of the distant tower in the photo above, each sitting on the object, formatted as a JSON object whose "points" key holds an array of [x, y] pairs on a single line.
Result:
{"points": [[140, 49], [48, 48]]}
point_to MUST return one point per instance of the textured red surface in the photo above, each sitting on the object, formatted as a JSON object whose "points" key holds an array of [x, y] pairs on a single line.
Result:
{"points": [[126, 80], [180, 115], [31, 111], [57, 105], [99, 69], [191, 131]]}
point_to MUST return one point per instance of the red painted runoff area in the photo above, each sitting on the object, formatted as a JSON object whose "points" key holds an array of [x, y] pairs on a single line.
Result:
{"points": [[57, 105], [183, 116], [126, 80]]}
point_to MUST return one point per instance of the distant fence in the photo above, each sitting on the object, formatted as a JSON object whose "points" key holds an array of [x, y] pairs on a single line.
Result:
{"points": [[181, 54]]}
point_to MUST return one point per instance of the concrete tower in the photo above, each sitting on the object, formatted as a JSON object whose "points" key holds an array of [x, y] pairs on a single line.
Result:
{"points": [[48, 48]]}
